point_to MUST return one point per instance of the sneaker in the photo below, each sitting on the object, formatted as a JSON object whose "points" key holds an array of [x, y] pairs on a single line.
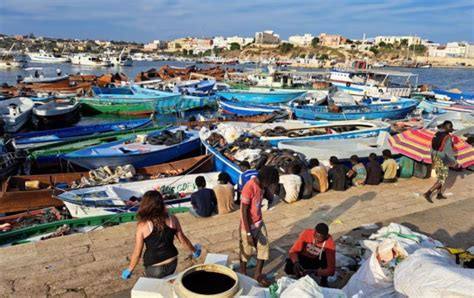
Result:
{"points": [[440, 196], [427, 196]]}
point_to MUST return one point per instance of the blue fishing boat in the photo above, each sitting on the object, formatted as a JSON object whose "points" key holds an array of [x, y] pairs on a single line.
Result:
{"points": [[274, 133], [191, 86], [260, 97], [139, 154], [240, 108], [395, 110], [37, 138], [445, 94]]}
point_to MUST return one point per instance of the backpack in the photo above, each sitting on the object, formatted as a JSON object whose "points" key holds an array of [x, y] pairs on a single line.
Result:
{"points": [[422, 170]]}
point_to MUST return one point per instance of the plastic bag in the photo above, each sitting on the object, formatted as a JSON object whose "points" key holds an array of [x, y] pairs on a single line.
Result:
{"points": [[370, 281], [436, 275], [302, 288]]}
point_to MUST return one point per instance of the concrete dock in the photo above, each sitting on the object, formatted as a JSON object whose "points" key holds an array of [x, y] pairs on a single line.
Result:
{"points": [[90, 264]]}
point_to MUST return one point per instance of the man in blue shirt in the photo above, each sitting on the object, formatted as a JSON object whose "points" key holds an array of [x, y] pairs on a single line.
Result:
{"points": [[247, 174], [204, 200]]}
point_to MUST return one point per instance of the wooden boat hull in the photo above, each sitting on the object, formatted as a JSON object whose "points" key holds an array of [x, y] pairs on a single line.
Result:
{"points": [[370, 112], [31, 139], [246, 109], [15, 199], [272, 97], [112, 154]]}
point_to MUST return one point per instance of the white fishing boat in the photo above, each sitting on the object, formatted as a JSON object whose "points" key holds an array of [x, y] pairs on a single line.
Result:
{"points": [[342, 148], [44, 57], [277, 132], [374, 83], [90, 60], [121, 60], [8, 61], [56, 114], [39, 77], [14, 113], [462, 122], [111, 199]]}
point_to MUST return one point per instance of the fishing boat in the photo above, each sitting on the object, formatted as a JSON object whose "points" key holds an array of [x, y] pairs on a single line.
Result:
{"points": [[208, 122], [276, 132], [54, 114], [192, 86], [14, 113], [43, 231], [10, 162], [453, 94], [49, 157], [396, 110], [8, 61], [36, 138], [126, 101], [44, 57], [324, 149], [462, 122], [260, 97], [90, 60], [375, 83], [239, 108], [442, 106], [112, 199], [17, 197], [138, 154], [42, 79], [121, 60]]}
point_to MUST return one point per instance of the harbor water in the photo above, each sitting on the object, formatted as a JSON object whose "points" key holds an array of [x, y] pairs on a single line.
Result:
{"points": [[444, 78]]}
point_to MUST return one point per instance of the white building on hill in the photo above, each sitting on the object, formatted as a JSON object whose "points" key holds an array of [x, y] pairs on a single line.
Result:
{"points": [[301, 40]]}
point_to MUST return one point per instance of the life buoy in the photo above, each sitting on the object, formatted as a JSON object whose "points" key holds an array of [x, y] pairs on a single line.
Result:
{"points": [[348, 84]]}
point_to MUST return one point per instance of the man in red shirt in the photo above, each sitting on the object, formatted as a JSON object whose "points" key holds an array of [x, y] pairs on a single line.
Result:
{"points": [[253, 233], [314, 252]]}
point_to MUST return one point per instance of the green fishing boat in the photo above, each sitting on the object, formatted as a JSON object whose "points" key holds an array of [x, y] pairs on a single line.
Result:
{"points": [[34, 233], [122, 106]]}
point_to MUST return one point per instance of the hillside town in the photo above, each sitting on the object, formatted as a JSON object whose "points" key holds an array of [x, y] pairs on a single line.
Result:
{"points": [[266, 47]]}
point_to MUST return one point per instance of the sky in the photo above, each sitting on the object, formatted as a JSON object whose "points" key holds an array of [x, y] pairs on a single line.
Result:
{"points": [[146, 20]]}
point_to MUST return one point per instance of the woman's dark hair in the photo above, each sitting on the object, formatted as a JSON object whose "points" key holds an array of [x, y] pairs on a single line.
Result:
{"points": [[294, 167], [372, 156], [268, 176], [223, 177], [355, 158], [334, 160], [387, 153], [322, 229], [152, 208], [313, 162], [200, 181]]}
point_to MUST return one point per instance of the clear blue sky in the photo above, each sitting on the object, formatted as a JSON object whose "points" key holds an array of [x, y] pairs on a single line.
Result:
{"points": [[145, 20]]}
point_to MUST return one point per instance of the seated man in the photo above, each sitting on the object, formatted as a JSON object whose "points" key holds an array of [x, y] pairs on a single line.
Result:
{"points": [[203, 200], [314, 252], [291, 183], [389, 167], [224, 192], [337, 175], [374, 171], [358, 173], [320, 175]]}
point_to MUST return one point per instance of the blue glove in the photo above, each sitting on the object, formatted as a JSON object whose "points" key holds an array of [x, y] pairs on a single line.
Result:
{"points": [[126, 274], [197, 251]]}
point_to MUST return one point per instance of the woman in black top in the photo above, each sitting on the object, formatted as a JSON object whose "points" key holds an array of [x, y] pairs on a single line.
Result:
{"points": [[157, 230]]}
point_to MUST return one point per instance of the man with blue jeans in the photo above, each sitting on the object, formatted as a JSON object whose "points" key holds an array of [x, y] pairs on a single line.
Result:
{"points": [[204, 200]]}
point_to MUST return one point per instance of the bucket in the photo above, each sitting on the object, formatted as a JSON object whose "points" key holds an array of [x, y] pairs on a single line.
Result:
{"points": [[207, 280]]}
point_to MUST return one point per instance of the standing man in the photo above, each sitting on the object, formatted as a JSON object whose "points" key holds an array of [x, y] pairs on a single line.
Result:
{"points": [[314, 252], [442, 156], [253, 233]]}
